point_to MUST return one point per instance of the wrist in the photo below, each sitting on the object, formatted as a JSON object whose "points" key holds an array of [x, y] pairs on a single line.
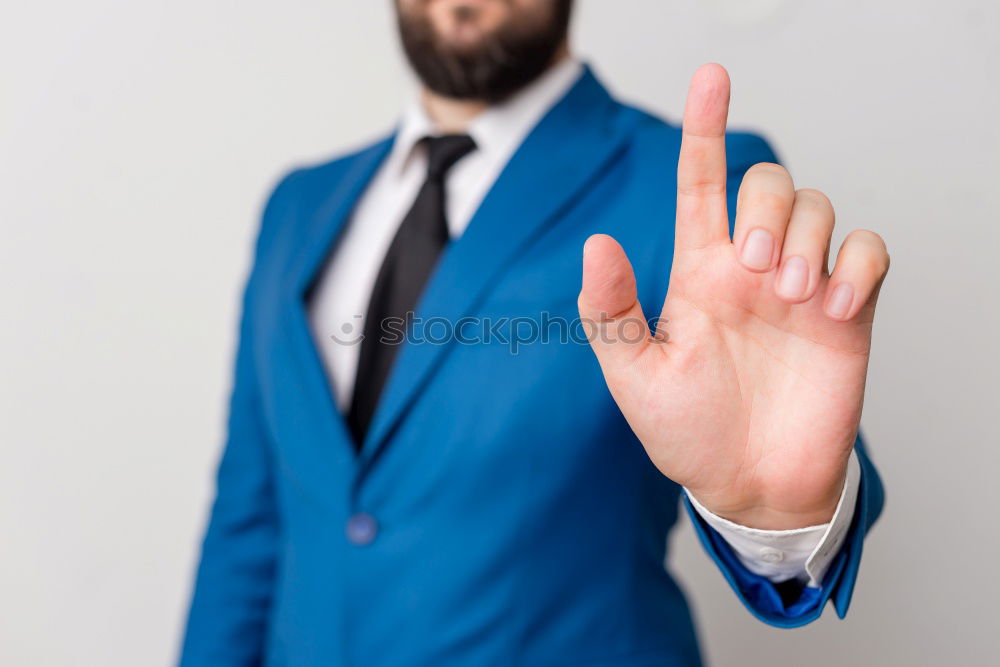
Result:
{"points": [[775, 511], [769, 518]]}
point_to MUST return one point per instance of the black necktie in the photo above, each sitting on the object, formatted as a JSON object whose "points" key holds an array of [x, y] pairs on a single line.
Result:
{"points": [[407, 265]]}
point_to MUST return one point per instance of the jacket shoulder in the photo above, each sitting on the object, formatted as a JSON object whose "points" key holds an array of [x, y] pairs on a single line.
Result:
{"points": [[319, 178], [306, 187]]}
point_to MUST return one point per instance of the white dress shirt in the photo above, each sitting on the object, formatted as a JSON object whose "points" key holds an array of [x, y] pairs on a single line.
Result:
{"points": [[340, 299]]}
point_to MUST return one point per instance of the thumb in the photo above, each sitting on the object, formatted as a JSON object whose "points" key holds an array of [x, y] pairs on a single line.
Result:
{"points": [[609, 309]]}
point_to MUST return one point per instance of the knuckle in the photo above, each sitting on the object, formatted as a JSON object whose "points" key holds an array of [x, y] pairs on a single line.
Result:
{"points": [[866, 236], [767, 189], [871, 240], [875, 266], [813, 199], [813, 216], [865, 251], [702, 188], [769, 168], [768, 202]]}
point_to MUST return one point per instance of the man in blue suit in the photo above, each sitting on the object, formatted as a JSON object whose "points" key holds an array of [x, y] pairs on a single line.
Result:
{"points": [[463, 489]]}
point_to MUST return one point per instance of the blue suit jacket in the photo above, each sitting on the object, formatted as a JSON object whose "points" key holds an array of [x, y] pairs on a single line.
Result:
{"points": [[519, 521]]}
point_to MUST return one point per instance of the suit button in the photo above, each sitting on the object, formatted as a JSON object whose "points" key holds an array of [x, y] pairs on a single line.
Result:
{"points": [[361, 529]]}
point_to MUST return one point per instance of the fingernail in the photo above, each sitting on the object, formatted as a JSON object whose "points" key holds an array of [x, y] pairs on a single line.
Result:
{"points": [[794, 278], [840, 301], [757, 250]]}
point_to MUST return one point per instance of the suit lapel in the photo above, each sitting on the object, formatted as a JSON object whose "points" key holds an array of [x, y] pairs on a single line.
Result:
{"points": [[310, 396], [551, 168], [331, 216]]}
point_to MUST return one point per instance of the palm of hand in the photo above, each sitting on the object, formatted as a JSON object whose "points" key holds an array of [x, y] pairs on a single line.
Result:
{"points": [[750, 395]]}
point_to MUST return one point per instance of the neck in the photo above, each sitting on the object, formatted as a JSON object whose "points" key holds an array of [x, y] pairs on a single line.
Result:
{"points": [[452, 116], [449, 115]]}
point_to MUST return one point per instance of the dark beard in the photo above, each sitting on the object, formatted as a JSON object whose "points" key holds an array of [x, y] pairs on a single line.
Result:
{"points": [[504, 62]]}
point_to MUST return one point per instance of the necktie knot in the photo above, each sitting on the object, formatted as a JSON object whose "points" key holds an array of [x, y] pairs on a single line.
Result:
{"points": [[444, 151]]}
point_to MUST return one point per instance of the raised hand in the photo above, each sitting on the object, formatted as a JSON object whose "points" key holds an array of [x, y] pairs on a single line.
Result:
{"points": [[750, 392]]}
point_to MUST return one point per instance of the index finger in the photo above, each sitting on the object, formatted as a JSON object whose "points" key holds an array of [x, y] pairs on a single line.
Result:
{"points": [[701, 171]]}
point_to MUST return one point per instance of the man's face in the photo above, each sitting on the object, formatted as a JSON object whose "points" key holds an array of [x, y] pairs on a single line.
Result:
{"points": [[481, 49]]}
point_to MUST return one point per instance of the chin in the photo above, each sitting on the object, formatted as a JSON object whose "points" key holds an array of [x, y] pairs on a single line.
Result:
{"points": [[465, 23]]}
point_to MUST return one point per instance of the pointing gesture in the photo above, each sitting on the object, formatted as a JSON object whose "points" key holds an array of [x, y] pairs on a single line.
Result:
{"points": [[750, 392]]}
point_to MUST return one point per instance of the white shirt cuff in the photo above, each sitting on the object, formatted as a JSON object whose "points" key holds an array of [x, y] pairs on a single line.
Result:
{"points": [[803, 554]]}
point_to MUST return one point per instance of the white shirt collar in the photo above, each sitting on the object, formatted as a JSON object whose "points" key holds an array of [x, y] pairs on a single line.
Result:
{"points": [[500, 128]]}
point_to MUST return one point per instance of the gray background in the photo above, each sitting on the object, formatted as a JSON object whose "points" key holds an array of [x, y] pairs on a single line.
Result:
{"points": [[139, 138]]}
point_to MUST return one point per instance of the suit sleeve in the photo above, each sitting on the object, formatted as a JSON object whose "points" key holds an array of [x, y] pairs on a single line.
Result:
{"points": [[791, 604], [228, 619]]}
